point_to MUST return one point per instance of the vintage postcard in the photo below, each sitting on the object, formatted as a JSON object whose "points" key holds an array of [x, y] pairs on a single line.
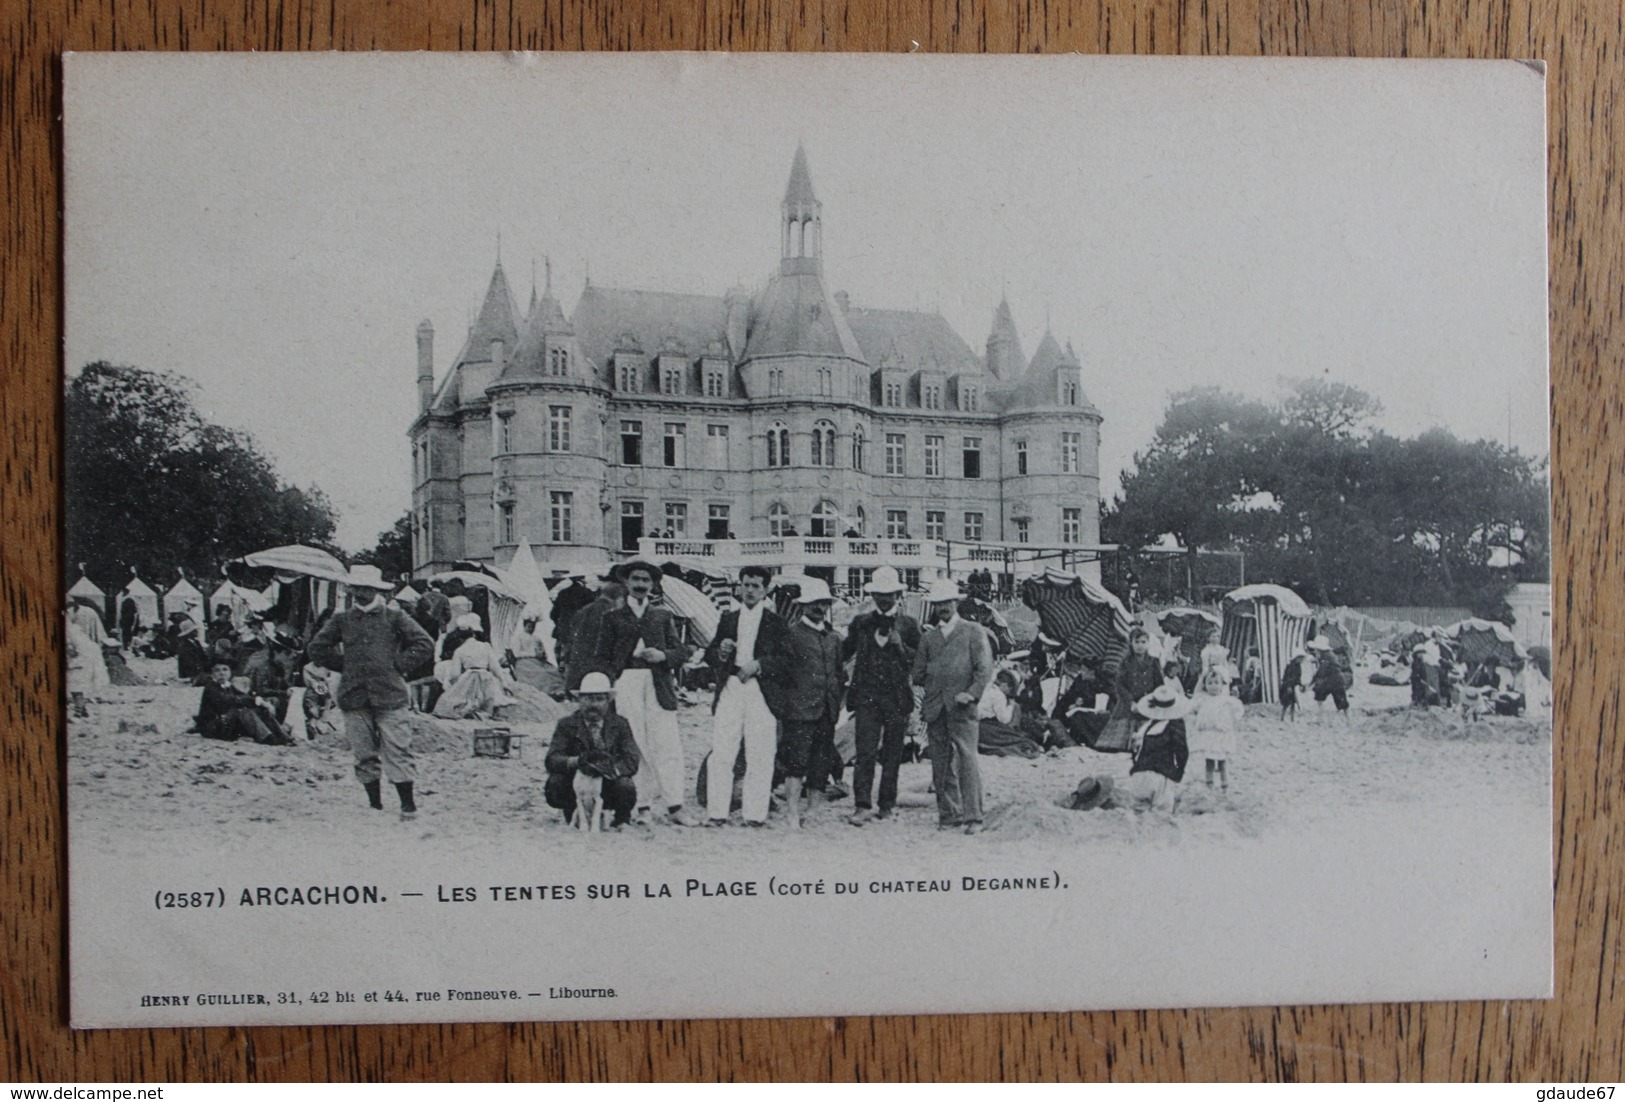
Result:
{"points": [[573, 536]]}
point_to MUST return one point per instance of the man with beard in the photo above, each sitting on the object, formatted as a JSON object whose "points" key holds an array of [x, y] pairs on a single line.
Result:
{"points": [[809, 681], [881, 646], [640, 651], [747, 641], [373, 645], [954, 664], [595, 741]]}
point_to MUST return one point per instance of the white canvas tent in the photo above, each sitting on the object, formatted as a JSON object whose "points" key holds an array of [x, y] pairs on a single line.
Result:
{"points": [[185, 597], [145, 598]]}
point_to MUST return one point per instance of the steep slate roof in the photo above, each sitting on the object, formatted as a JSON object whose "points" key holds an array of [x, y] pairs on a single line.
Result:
{"points": [[528, 360], [919, 339], [495, 322], [1004, 325], [603, 314], [796, 315], [1038, 385]]}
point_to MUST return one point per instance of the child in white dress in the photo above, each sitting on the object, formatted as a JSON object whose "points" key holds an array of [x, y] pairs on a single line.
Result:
{"points": [[1212, 725]]}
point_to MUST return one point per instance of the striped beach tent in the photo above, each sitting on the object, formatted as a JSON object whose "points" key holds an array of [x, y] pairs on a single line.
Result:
{"points": [[1272, 618], [1193, 626], [692, 605], [1482, 642], [1082, 613]]}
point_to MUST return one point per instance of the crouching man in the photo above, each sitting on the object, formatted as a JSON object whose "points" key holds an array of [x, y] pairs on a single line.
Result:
{"points": [[598, 743]]}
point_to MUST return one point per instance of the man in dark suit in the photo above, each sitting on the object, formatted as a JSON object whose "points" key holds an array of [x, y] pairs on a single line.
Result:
{"points": [[747, 640], [640, 650], [881, 646], [566, 603], [585, 627], [595, 741], [809, 682], [954, 664]]}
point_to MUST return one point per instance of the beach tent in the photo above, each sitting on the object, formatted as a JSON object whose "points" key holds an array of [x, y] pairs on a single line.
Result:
{"points": [[524, 578], [297, 559], [689, 603], [506, 608], [303, 584], [1270, 617], [407, 595], [1082, 613], [1482, 642], [90, 591], [145, 598], [185, 597]]}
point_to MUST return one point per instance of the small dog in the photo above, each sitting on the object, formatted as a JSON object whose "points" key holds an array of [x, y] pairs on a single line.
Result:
{"points": [[589, 814]]}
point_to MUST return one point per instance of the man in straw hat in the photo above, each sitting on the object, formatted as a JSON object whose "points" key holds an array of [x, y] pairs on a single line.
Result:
{"points": [[954, 664], [640, 651], [809, 681], [881, 645], [595, 741], [374, 645], [747, 642]]}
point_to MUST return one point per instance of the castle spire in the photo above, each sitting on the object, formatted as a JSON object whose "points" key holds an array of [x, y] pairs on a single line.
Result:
{"points": [[801, 221]]}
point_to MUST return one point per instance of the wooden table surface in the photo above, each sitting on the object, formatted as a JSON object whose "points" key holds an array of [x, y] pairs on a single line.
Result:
{"points": [[1578, 1036]]}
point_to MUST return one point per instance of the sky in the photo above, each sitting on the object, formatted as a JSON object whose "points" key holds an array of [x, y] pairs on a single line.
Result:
{"points": [[274, 227]]}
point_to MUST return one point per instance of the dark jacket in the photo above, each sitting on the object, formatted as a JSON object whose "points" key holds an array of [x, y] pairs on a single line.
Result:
{"points": [[373, 649], [585, 628], [623, 633], [1081, 693], [1164, 752], [769, 643], [570, 600], [806, 674], [880, 675], [610, 753], [1137, 675], [219, 702]]}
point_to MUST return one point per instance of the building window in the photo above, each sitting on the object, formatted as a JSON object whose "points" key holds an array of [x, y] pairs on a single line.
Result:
{"points": [[677, 520], [671, 379], [629, 374], [504, 433], [826, 381], [968, 399], [826, 519], [823, 444], [933, 457], [558, 428], [859, 438], [911, 579], [631, 524], [857, 577], [717, 525], [505, 523], [1071, 525], [558, 361], [775, 380], [936, 526], [778, 445], [716, 383], [1069, 453], [1069, 392], [892, 394], [676, 437], [716, 442], [973, 457], [973, 527], [1021, 529], [896, 453], [897, 524], [931, 395], [778, 519], [631, 443], [560, 508], [428, 458], [1021, 457]]}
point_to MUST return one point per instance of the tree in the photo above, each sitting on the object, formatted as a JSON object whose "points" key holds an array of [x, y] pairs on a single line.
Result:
{"points": [[153, 486], [392, 554]]}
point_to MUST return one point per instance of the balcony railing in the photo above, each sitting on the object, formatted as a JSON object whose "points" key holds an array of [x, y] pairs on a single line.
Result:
{"points": [[869, 552]]}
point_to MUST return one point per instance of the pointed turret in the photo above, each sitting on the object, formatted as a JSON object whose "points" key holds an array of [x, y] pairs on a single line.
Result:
{"points": [[1004, 356], [547, 347], [496, 319], [801, 223]]}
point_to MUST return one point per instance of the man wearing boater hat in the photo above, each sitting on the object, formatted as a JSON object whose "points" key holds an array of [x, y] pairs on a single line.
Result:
{"points": [[809, 682], [640, 651], [954, 664], [373, 645], [881, 646]]}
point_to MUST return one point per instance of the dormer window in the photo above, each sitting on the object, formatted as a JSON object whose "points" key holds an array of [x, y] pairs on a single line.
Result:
{"points": [[671, 376], [716, 383], [627, 373], [968, 398], [558, 361], [931, 395], [892, 395]]}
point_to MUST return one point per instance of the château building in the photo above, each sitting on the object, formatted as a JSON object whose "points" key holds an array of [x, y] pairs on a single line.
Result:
{"points": [[767, 426]]}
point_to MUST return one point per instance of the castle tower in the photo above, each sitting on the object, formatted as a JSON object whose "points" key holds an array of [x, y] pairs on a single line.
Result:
{"points": [[800, 222]]}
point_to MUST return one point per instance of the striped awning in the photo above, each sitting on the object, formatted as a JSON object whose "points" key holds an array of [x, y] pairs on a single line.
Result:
{"points": [[1081, 613]]}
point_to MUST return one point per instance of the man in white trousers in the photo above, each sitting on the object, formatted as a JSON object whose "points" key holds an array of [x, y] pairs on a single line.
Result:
{"points": [[640, 650], [747, 641]]}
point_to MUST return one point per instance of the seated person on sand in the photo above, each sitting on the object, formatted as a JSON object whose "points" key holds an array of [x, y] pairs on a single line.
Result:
{"points": [[268, 667], [1001, 730], [230, 712], [475, 680], [1160, 754], [595, 741], [1074, 719]]}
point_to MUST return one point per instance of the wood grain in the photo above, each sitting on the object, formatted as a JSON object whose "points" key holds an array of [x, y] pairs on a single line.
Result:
{"points": [[1578, 1036]]}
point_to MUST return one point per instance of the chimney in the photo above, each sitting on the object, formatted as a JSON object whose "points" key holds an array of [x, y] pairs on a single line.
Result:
{"points": [[497, 349], [425, 364]]}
